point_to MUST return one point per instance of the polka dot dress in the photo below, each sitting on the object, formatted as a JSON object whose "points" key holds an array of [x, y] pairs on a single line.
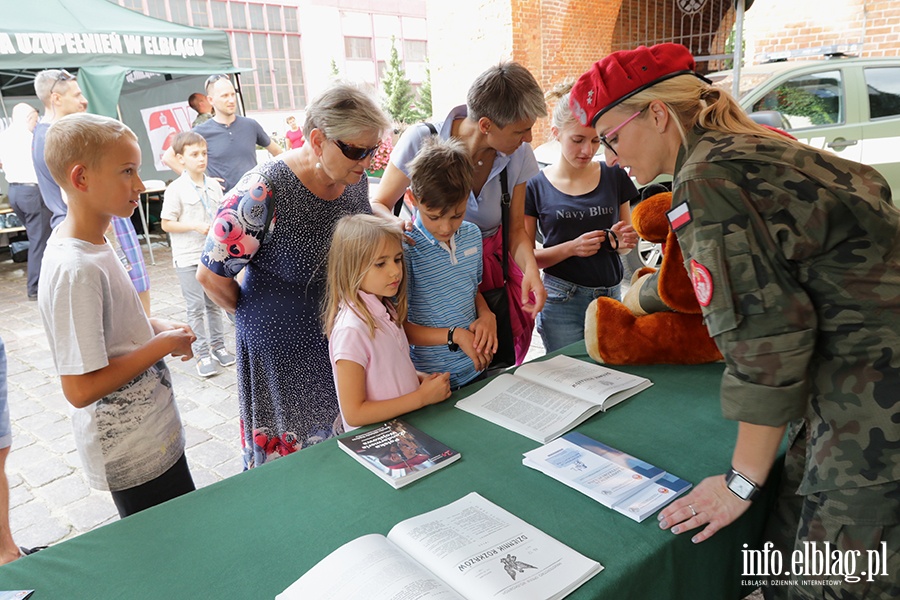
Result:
{"points": [[286, 389]]}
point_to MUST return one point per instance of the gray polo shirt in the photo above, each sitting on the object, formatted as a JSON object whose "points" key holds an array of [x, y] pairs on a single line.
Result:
{"points": [[232, 148]]}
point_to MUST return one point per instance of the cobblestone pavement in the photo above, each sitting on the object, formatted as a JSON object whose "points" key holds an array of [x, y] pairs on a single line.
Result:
{"points": [[50, 500]]}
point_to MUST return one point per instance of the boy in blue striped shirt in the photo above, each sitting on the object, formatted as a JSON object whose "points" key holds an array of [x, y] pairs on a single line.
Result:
{"points": [[449, 325]]}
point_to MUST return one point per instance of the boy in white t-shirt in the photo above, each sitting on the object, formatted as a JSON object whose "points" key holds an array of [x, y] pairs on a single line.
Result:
{"points": [[188, 208], [109, 355]]}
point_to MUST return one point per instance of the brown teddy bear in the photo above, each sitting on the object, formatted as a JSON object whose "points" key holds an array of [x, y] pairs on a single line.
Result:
{"points": [[659, 320]]}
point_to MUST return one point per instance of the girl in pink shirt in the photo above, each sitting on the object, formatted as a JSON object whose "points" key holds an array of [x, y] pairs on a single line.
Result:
{"points": [[365, 307]]}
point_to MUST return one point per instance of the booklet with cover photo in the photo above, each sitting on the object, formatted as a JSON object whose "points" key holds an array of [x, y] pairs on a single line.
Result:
{"points": [[398, 452], [617, 480]]}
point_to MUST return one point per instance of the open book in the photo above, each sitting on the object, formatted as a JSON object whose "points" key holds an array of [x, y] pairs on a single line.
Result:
{"points": [[398, 452], [543, 400], [469, 549], [611, 477]]}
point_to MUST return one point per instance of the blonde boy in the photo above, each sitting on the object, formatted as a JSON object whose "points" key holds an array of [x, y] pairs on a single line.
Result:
{"points": [[109, 355], [449, 325], [188, 209]]}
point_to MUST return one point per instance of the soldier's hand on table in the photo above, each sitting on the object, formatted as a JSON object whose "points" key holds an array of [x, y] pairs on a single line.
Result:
{"points": [[710, 505]]}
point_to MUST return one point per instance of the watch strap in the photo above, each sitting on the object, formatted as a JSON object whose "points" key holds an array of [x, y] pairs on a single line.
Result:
{"points": [[453, 346]]}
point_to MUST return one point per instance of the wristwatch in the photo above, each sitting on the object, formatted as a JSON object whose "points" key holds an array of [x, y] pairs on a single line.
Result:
{"points": [[453, 346], [741, 486]]}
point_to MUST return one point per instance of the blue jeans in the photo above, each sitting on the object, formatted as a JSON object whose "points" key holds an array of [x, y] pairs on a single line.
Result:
{"points": [[561, 322]]}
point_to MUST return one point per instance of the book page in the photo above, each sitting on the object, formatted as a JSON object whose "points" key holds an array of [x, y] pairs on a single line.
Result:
{"points": [[530, 409], [483, 551], [589, 381], [368, 568]]}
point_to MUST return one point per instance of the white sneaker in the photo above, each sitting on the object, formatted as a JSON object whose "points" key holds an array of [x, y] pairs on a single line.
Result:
{"points": [[206, 367]]}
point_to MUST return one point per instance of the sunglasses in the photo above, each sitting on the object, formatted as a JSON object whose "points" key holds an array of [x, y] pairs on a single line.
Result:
{"points": [[63, 75], [212, 79], [354, 152], [604, 137]]}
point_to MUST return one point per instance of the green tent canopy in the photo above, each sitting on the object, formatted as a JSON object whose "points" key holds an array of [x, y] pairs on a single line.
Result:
{"points": [[104, 41]]}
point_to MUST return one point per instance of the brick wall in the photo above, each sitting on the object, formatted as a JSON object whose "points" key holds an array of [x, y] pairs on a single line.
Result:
{"points": [[560, 39], [773, 27]]}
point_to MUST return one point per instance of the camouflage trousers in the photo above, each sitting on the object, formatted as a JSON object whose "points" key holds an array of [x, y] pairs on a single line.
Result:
{"points": [[836, 545]]}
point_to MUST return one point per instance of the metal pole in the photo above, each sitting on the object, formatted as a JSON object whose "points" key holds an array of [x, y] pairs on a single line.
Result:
{"points": [[738, 47]]}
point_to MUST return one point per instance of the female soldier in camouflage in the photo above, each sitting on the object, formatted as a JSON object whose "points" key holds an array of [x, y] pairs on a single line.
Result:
{"points": [[794, 254]]}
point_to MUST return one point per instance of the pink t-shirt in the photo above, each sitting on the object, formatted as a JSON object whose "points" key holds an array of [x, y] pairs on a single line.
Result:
{"points": [[389, 371], [296, 137]]}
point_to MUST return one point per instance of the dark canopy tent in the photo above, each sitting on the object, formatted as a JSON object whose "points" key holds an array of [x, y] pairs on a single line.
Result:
{"points": [[104, 41]]}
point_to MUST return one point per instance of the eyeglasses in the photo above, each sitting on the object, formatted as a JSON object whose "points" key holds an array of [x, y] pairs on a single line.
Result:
{"points": [[63, 75], [604, 138], [354, 152]]}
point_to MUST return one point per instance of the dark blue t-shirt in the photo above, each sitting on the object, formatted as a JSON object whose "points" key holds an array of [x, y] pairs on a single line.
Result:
{"points": [[232, 148], [50, 191], [562, 217]]}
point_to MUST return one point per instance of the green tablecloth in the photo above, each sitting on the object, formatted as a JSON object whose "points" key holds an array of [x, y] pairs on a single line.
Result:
{"points": [[252, 535]]}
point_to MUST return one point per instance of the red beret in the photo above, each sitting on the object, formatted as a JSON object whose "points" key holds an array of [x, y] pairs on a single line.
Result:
{"points": [[625, 73]]}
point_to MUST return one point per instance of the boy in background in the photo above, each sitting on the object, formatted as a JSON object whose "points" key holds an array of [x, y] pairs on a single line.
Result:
{"points": [[447, 313], [188, 208], [108, 353]]}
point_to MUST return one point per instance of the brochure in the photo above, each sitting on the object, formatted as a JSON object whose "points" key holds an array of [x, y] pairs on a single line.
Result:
{"points": [[469, 549], [611, 477], [398, 452], [545, 399]]}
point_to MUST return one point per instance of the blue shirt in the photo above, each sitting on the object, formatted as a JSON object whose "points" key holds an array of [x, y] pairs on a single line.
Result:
{"points": [[442, 281], [483, 209], [232, 148], [50, 191], [562, 217]]}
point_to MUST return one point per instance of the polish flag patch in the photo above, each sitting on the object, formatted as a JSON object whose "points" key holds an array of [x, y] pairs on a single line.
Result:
{"points": [[680, 216], [702, 282]]}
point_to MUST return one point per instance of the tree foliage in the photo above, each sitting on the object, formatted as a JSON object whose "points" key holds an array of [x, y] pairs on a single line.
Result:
{"points": [[424, 104], [398, 91]]}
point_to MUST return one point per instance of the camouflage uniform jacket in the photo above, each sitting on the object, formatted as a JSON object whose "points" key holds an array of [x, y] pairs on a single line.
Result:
{"points": [[795, 259]]}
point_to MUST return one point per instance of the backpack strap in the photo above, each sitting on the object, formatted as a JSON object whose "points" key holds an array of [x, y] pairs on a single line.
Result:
{"points": [[504, 221]]}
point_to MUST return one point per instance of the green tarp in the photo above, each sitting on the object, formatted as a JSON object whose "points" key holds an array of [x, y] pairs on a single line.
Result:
{"points": [[103, 41]]}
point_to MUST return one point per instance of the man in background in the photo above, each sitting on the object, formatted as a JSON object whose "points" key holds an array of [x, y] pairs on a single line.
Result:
{"points": [[230, 138], [24, 194], [58, 90], [201, 105]]}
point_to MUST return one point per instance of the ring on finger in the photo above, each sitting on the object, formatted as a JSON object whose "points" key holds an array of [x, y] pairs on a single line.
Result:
{"points": [[693, 512]]}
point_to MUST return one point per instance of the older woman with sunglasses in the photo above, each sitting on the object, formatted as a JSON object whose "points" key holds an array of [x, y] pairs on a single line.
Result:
{"points": [[794, 254], [495, 126], [276, 225]]}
